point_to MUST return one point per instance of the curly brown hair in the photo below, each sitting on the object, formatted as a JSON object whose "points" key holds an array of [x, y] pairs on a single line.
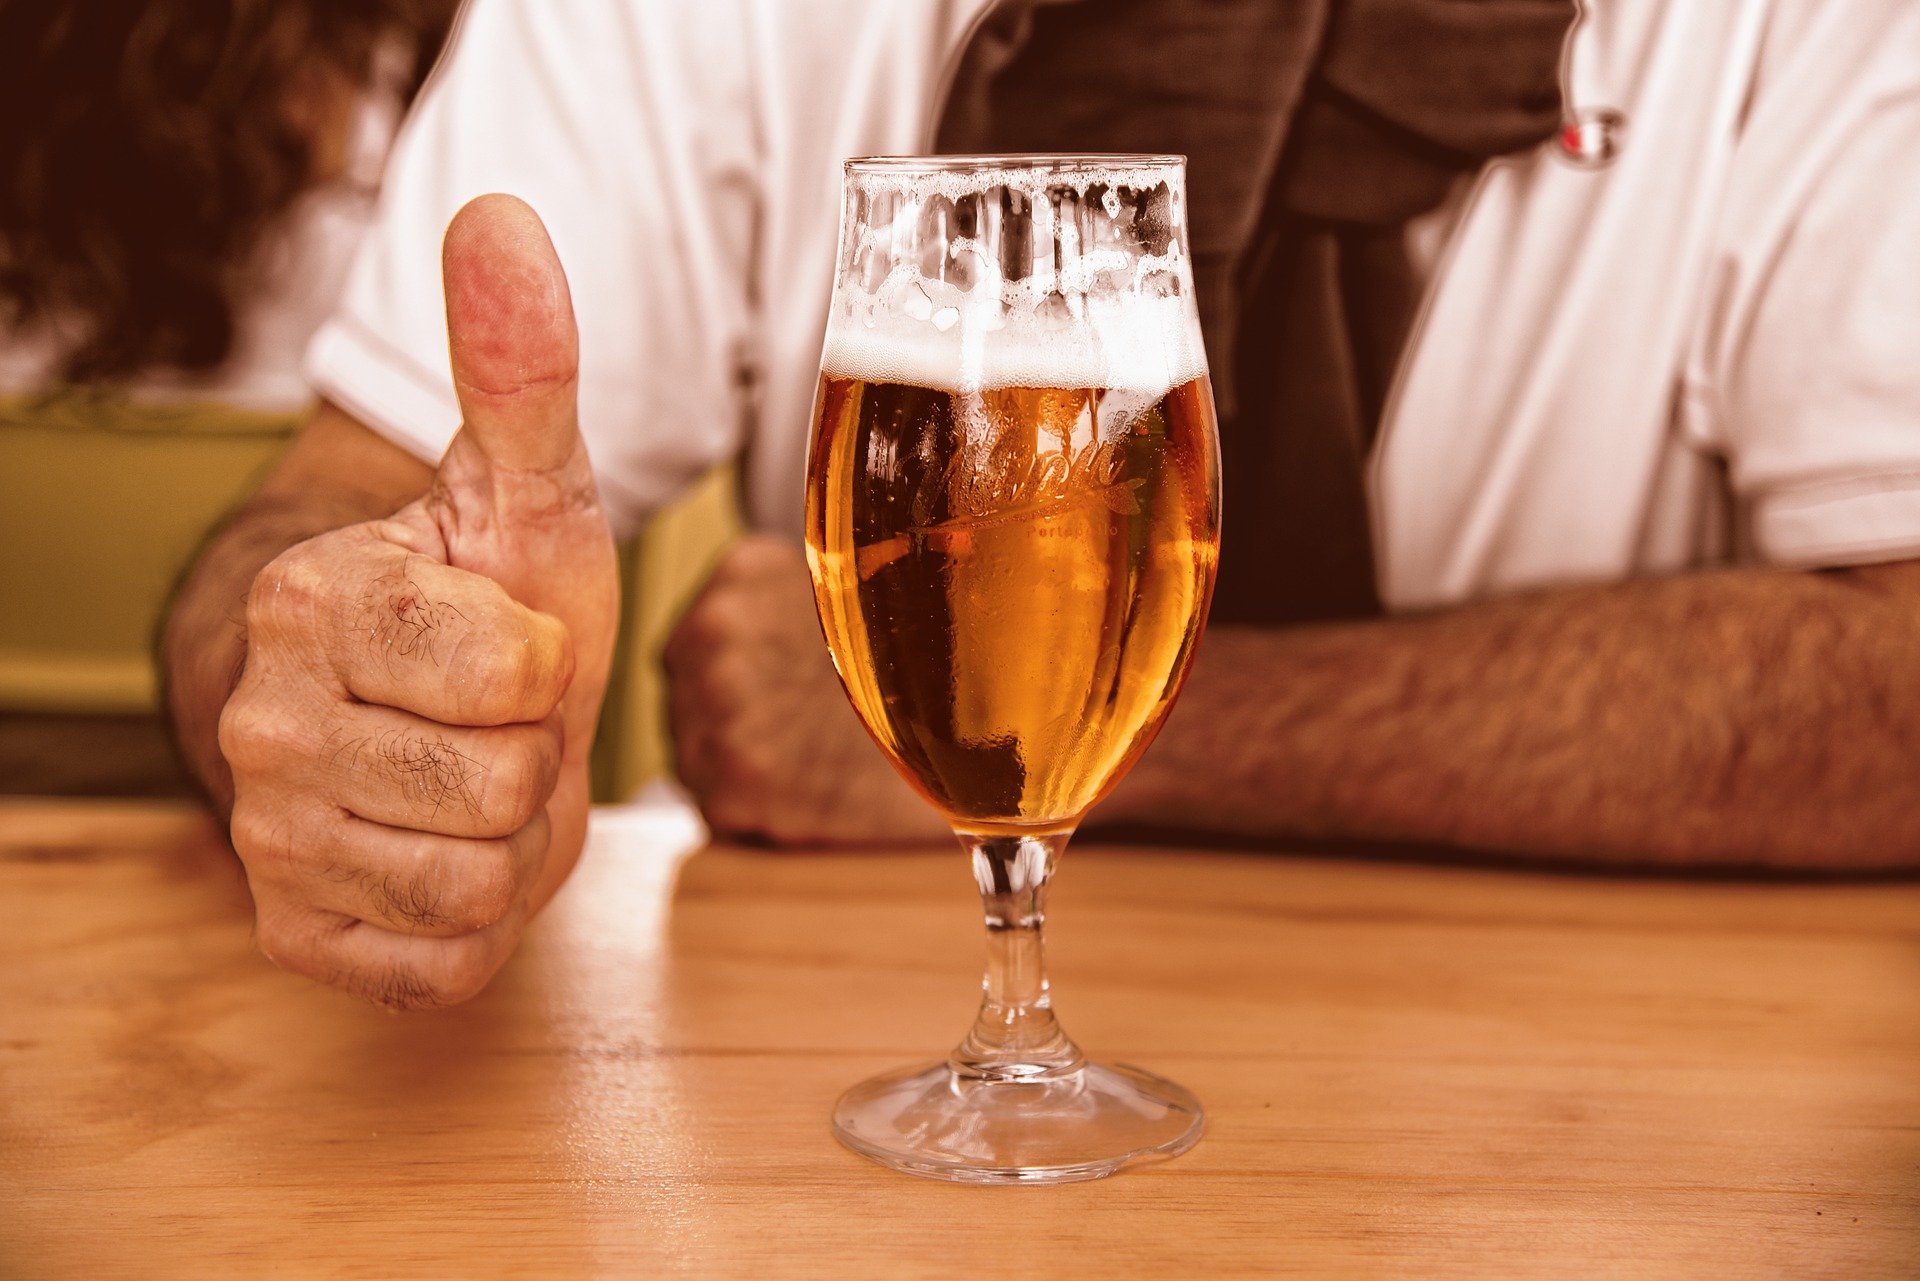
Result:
{"points": [[147, 146]]}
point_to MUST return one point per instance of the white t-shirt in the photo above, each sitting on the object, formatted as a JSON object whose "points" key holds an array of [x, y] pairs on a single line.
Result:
{"points": [[1709, 349], [685, 156]]}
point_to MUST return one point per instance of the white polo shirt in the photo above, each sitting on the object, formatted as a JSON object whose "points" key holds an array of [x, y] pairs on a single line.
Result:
{"points": [[1709, 350]]}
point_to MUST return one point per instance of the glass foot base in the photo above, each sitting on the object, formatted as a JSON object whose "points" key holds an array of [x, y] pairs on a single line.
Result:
{"points": [[1083, 1124]]}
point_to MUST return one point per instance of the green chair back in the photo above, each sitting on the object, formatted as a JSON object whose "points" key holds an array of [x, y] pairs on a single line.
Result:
{"points": [[103, 502]]}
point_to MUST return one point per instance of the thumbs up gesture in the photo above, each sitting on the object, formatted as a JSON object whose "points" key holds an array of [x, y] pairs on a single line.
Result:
{"points": [[409, 737]]}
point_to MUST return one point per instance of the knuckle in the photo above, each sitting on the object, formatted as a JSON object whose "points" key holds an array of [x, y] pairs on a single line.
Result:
{"points": [[416, 901], [252, 731], [287, 944], [461, 969], [432, 775], [483, 892], [509, 672], [519, 784], [259, 839], [551, 649], [286, 593]]}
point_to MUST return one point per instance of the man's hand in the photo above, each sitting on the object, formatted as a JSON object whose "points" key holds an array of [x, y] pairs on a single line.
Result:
{"points": [[409, 737], [765, 737]]}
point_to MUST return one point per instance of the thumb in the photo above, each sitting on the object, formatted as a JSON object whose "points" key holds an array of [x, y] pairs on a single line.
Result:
{"points": [[511, 335]]}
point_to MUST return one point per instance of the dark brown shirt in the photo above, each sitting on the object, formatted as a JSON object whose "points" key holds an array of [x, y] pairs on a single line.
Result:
{"points": [[1314, 130]]}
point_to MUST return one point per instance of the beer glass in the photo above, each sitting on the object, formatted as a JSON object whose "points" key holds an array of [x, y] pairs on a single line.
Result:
{"points": [[1012, 524]]}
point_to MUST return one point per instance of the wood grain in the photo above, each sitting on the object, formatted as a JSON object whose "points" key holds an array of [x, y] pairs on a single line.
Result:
{"points": [[1409, 1070]]}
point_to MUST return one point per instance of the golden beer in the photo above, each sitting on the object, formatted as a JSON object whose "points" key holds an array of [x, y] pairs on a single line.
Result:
{"points": [[1013, 517], [1012, 580]]}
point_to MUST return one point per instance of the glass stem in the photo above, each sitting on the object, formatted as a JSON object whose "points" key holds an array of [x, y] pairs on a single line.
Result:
{"points": [[1016, 1036]]}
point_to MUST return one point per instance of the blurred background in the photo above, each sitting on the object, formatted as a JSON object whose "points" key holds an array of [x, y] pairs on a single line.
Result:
{"points": [[182, 186]]}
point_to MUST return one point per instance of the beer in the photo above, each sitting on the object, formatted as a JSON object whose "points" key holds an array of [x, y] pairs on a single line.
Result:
{"points": [[1013, 518], [1011, 579]]}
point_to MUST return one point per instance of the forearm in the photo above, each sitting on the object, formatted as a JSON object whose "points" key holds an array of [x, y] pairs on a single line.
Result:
{"points": [[1734, 718], [337, 473]]}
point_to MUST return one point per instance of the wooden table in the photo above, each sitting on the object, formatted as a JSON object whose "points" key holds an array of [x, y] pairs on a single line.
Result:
{"points": [[1410, 1071]]}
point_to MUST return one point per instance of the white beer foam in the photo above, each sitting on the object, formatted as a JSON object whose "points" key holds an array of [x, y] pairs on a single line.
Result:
{"points": [[1089, 310], [1146, 345], [918, 179]]}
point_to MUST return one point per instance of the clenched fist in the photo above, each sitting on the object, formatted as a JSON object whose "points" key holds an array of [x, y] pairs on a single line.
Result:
{"points": [[763, 733], [409, 736]]}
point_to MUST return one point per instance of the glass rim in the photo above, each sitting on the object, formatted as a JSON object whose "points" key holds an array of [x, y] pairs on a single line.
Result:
{"points": [[1034, 161]]}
